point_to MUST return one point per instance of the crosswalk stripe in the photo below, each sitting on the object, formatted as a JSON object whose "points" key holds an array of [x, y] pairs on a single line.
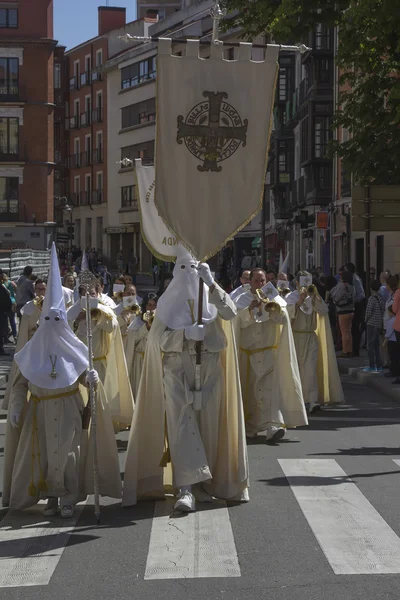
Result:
{"points": [[199, 544], [353, 536], [31, 546]]}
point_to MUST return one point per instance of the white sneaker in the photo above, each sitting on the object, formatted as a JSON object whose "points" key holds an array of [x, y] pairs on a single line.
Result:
{"points": [[51, 507], [67, 511], [186, 503], [200, 494], [274, 434]]}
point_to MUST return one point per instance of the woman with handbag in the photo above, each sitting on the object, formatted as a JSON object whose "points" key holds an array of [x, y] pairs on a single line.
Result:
{"points": [[343, 295]]}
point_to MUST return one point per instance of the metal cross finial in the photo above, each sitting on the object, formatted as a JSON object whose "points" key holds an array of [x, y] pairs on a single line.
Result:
{"points": [[217, 14]]}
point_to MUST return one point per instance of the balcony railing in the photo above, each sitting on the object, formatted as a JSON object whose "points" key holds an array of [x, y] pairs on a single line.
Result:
{"points": [[85, 119], [74, 161], [74, 83], [96, 74], [98, 197], [58, 157], [97, 155], [72, 122], [97, 115], [13, 153], [12, 93], [85, 79]]}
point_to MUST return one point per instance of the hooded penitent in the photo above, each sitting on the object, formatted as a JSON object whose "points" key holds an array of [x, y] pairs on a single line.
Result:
{"points": [[178, 306], [55, 358]]}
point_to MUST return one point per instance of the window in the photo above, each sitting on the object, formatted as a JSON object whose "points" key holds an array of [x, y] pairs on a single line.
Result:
{"points": [[142, 112], [324, 71], [88, 63], [9, 187], [9, 18], [99, 140], [322, 37], [76, 108], [9, 136], [128, 197], [144, 70], [282, 85], [57, 76], [144, 151], [9, 69], [77, 185], [88, 233], [322, 134], [88, 149], [99, 187], [99, 58]]}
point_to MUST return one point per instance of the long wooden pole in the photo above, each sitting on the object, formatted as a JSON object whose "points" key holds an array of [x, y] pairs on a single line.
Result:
{"points": [[93, 407], [199, 345]]}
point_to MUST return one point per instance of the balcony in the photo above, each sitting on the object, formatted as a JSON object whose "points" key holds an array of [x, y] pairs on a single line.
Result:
{"points": [[12, 154], [85, 79], [85, 119], [58, 157], [97, 155], [97, 115], [72, 122], [96, 75], [9, 208], [98, 197], [12, 93], [74, 161], [74, 83]]}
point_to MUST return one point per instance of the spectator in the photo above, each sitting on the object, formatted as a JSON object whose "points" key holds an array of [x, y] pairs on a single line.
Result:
{"points": [[359, 306], [271, 277], [25, 289], [11, 287], [393, 347], [107, 280], [330, 283], [166, 281], [5, 307], [343, 295], [374, 323], [372, 274], [69, 281], [384, 292], [396, 324]]}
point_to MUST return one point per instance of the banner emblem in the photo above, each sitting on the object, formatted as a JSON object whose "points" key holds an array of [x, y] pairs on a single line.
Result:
{"points": [[212, 131]]}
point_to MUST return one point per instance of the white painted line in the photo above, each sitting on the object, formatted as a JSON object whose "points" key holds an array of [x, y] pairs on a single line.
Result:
{"points": [[199, 544], [31, 546], [353, 536]]}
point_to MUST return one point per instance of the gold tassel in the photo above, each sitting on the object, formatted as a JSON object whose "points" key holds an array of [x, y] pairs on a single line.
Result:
{"points": [[166, 458], [32, 490]]}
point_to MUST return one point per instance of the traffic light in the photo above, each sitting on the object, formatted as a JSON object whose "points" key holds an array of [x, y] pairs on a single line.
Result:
{"points": [[71, 230]]}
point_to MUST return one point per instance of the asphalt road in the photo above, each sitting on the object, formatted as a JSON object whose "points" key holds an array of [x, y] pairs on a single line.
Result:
{"points": [[325, 528]]}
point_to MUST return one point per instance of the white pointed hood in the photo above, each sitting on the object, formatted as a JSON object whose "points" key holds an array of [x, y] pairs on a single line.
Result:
{"points": [[177, 307], [54, 347]]}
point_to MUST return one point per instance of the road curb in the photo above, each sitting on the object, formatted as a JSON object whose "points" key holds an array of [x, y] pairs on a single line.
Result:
{"points": [[376, 381]]}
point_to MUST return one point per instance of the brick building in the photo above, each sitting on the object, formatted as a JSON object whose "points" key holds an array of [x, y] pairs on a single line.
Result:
{"points": [[86, 137], [158, 8], [27, 111]]}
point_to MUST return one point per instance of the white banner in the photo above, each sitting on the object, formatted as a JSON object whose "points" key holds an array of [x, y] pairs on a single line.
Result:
{"points": [[214, 119], [158, 238]]}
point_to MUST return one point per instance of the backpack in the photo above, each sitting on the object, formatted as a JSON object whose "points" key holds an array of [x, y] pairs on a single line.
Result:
{"points": [[5, 300]]}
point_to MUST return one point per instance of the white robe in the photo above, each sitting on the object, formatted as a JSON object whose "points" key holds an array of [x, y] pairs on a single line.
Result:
{"points": [[206, 446], [315, 352], [269, 374], [56, 467], [110, 362], [135, 351]]}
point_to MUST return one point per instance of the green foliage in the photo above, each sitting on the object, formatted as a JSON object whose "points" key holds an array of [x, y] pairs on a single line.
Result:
{"points": [[369, 59]]}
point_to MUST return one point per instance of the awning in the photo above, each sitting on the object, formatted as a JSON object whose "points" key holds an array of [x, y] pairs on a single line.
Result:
{"points": [[256, 243]]}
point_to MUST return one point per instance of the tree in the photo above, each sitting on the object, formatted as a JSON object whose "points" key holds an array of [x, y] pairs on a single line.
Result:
{"points": [[369, 59]]}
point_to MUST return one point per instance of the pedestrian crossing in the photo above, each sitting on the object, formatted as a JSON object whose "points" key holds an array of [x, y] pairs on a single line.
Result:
{"points": [[353, 537]]}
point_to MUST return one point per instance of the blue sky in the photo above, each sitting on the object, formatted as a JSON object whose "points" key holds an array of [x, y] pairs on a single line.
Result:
{"points": [[76, 20]]}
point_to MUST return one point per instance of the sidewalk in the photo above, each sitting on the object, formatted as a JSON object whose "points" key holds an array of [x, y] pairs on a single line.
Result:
{"points": [[354, 366]]}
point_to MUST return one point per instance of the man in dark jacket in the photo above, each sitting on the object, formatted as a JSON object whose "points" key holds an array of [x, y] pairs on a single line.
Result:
{"points": [[5, 307]]}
